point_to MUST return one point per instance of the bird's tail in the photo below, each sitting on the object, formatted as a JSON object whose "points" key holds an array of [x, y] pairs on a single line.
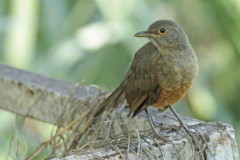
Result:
{"points": [[113, 100]]}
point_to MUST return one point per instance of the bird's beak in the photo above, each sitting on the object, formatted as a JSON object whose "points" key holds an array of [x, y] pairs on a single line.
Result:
{"points": [[142, 34]]}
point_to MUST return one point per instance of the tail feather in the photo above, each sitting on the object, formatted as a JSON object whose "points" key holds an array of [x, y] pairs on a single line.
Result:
{"points": [[113, 100], [141, 107]]}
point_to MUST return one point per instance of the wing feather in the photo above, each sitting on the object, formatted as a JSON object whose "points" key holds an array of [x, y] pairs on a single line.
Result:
{"points": [[142, 84]]}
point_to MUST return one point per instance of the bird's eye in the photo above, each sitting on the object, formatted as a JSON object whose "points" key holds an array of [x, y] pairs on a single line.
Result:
{"points": [[162, 30]]}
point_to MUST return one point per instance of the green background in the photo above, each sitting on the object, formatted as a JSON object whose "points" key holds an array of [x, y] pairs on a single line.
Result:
{"points": [[92, 41]]}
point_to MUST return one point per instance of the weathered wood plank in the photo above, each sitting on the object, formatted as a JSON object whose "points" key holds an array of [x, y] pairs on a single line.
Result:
{"points": [[41, 97], [221, 145]]}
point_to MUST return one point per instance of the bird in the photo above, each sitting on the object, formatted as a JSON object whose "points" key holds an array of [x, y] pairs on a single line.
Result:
{"points": [[161, 71]]}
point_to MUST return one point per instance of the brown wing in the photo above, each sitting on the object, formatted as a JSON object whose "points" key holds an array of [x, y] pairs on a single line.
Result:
{"points": [[142, 84]]}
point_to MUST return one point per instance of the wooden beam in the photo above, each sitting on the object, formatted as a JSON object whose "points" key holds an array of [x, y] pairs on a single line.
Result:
{"points": [[42, 97], [220, 140]]}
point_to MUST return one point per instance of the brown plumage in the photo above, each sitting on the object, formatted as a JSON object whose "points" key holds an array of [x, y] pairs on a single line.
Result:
{"points": [[161, 71]]}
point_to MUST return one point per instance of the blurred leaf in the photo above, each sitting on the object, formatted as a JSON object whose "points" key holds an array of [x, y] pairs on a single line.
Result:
{"points": [[108, 69]]}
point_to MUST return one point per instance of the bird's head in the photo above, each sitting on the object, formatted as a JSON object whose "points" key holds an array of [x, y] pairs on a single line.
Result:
{"points": [[165, 33]]}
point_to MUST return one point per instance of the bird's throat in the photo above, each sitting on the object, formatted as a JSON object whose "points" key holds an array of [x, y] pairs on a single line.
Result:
{"points": [[157, 44]]}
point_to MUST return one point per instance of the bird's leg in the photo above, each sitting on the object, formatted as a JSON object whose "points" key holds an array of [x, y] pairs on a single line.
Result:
{"points": [[153, 128], [182, 125]]}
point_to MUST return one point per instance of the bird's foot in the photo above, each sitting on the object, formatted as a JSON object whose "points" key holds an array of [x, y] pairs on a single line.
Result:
{"points": [[159, 136], [196, 144], [182, 125], [174, 128], [155, 131]]}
